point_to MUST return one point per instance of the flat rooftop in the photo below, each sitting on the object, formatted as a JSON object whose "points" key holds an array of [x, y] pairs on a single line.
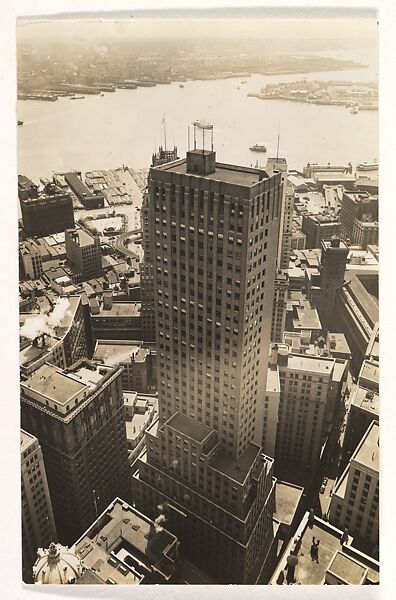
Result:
{"points": [[126, 546], [115, 352], [287, 499], [347, 569], [367, 453], [365, 399], [226, 173], [121, 309], [236, 469], [316, 365], [55, 385], [308, 571], [370, 372], [188, 427], [273, 383], [337, 343], [307, 317], [84, 238], [26, 440]]}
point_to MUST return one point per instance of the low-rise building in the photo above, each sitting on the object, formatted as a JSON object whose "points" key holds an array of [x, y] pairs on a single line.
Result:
{"points": [[123, 546], [137, 358], [118, 321]]}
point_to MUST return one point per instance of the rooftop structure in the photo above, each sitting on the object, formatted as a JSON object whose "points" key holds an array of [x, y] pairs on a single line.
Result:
{"points": [[123, 547], [57, 566], [58, 336], [305, 569]]}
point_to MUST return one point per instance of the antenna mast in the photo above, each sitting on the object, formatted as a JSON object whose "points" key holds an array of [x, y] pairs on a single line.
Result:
{"points": [[164, 130], [277, 148]]}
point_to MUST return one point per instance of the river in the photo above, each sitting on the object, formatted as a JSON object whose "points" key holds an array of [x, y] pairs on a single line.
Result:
{"points": [[124, 127]]}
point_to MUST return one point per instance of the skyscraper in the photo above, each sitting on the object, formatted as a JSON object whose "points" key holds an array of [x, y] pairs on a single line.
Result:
{"points": [[78, 416], [213, 242], [38, 526]]}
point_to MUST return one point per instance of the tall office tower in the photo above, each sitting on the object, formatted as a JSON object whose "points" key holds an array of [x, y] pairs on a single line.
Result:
{"points": [[146, 266], [281, 292], [147, 276], [332, 272], [78, 416], [213, 240], [286, 217], [356, 209], [38, 526], [355, 500], [300, 391]]}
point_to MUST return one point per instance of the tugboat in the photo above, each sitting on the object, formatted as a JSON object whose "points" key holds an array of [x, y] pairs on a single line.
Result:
{"points": [[258, 148]]}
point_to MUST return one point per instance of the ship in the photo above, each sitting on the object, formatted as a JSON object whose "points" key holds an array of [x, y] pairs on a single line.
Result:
{"points": [[367, 166], [76, 97], [20, 122], [258, 148]]}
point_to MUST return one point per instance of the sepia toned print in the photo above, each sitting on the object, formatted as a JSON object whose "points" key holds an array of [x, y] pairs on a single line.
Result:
{"points": [[198, 299]]}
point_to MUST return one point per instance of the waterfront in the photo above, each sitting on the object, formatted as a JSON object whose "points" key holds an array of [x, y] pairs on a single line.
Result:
{"points": [[102, 132]]}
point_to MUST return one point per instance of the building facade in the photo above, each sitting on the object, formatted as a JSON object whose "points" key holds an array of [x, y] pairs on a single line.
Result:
{"points": [[319, 227], [30, 257], [45, 211], [213, 239], [38, 525], [332, 272], [281, 292], [78, 416], [296, 408], [355, 501], [83, 251], [360, 206]]}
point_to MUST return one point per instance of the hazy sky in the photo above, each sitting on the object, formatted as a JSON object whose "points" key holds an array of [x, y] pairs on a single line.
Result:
{"points": [[357, 31]]}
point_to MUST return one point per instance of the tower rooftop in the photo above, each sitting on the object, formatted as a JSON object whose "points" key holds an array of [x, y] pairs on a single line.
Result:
{"points": [[227, 173]]}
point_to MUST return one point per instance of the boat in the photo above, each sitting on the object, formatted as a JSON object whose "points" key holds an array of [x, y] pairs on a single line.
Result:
{"points": [[181, 85], [77, 97], [367, 166], [102, 94], [258, 148], [20, 122], [354, 110]]}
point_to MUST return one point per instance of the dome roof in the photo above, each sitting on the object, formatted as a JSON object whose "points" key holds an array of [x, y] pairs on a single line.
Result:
{"points": [[57, 565]]}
